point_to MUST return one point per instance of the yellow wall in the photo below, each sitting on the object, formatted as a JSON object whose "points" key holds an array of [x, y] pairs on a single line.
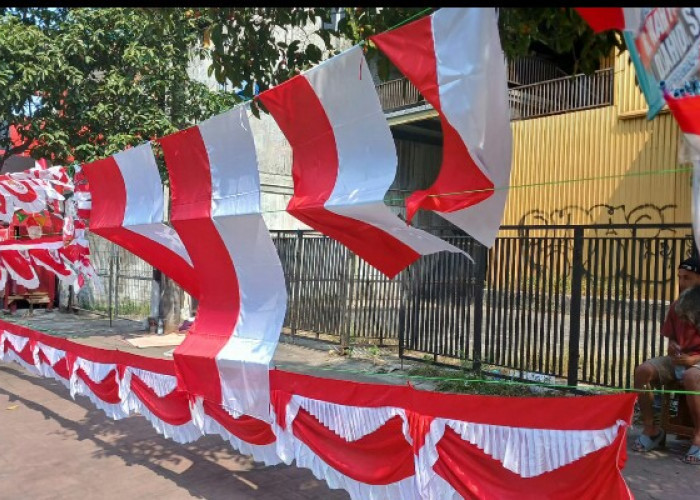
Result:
{"points": [[607, 141]]}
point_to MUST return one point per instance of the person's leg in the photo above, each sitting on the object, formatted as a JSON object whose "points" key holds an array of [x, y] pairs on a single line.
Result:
{"points": [[691, 382], [646, 376]]}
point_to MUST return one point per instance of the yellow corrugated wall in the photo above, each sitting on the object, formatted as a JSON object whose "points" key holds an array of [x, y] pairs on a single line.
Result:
{"points": [[607, 141]]}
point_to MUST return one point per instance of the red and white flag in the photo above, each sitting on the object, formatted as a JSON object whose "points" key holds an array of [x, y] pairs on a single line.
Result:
{"points": [[611, 18], [455, 60], [686, 111], [345, 161], [215, 190], [127, 209]]}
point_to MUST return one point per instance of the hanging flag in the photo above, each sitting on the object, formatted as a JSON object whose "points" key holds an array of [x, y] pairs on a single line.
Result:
{"points": [[81, 194], [127, 209], [686, 111], [215, 190], [610, 18], [455, 60], [345, 161]]}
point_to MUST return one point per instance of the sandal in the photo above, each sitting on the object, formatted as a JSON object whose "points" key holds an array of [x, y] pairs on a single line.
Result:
{"points": [[645, 443], [693, 455]]}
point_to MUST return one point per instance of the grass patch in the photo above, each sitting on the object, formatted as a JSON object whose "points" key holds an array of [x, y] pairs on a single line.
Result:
{"points": [[458, 381]]}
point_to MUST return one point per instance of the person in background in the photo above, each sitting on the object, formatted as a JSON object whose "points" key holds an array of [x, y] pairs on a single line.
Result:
{"points": [[682, 362]]}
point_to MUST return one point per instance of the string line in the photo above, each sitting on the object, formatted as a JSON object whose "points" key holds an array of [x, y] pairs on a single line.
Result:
{"points": [[495, 382]]}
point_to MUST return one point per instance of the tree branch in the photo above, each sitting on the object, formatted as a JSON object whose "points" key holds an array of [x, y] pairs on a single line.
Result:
{"points": [[10, 152]]}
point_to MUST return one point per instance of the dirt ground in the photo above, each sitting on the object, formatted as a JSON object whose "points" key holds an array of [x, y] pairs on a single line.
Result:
{"points": [[91, 456]]}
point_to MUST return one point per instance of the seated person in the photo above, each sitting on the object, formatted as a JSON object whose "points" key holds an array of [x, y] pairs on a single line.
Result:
{"points": [[682, 328]]}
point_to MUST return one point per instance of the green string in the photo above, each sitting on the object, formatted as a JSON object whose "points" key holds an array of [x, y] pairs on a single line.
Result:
{"points": [[570, 181], [405, 21], [538, 184], [492, 381]]}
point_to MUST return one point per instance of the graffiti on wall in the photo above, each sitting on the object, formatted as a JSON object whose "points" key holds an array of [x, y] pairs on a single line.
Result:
{"points": [[610, 251]]}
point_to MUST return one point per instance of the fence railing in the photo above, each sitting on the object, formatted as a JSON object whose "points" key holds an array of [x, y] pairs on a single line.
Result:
{"points": [[124, 289], [559, 95], [582, 303], [526, 70], [569, 301]]}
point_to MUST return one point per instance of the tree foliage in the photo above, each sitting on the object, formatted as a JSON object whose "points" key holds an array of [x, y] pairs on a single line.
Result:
{"points": [[86, 83], [253, 43]]}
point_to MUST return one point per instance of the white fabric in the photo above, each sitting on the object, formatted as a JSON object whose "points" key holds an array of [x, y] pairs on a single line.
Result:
{"points": [[633, 18], [52, 354], [143, 213], [161, 384], [19, 343], [97, 372], [349, 422], [11, 355], [68, 278], [473, 91], [524, 451], [367, 158], [32, 282], [266, 454], [244, 361], [144, 191], [2, 345], [23, 246], [49, 372], [78, 386], [693, 153]]}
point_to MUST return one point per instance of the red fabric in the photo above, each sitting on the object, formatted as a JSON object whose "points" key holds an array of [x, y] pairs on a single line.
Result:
{"points": [[107, 217], [173, 408], [25, 353], [107, 356], [249, 429], [160, 257], [314, 171], [578, 413], [603, 18], [28, 244], [107, 390], [20, 265], [385, 456], [411, 49], [219, 303], [108, 193], [22, 190], [382, 457], [47, 259], [474, 474], [682, 331], [61, 366], [686, 111]]}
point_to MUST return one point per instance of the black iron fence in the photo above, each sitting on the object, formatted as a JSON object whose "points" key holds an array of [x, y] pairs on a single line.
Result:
{"points": [[124, 288], [583, 303]]}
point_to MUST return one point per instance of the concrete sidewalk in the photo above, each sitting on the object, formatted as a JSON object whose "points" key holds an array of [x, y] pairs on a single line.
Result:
{"points": [[91, 456]]}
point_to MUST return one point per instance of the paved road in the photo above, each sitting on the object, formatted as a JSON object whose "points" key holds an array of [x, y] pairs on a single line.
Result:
{"points": [[52, 447]]}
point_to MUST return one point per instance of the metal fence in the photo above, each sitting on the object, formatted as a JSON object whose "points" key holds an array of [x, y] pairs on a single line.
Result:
{"points": [[124, 288], [584, 303], [535, 100]]}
